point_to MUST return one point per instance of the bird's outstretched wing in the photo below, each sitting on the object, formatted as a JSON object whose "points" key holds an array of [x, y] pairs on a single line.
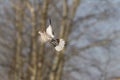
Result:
{"points": [[60, 46], [49, 31]]}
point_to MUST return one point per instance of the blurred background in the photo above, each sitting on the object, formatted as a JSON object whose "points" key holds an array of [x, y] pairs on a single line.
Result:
{"points": [[91, 29]]}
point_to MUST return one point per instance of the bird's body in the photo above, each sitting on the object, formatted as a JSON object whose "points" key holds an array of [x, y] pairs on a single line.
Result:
{"points": [[44, 37], [48, 36]]}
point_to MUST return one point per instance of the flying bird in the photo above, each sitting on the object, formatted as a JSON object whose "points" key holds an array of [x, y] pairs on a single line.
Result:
{"points": [[48, 37]]}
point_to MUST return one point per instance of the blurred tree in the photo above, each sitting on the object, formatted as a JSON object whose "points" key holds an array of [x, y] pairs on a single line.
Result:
{"points": [[92, 54], [32, 60]]}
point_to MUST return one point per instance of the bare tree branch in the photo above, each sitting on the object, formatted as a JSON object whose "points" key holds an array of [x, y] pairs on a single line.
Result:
{"points": [[33, 56], [41, 50], [17, 57]]}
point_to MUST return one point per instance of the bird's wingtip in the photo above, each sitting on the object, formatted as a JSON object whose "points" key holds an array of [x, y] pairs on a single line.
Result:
{"points": [[49, 21]]}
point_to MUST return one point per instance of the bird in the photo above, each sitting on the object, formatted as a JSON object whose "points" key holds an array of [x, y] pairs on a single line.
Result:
{"points": [[48, 36]]}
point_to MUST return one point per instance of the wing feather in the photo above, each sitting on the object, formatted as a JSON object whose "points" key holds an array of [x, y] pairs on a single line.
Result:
{"points": [[49, 31], [60, 46]]}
